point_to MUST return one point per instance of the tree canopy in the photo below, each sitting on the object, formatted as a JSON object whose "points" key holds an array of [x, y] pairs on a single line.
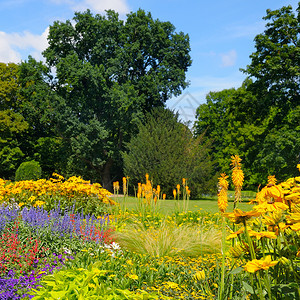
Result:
{"points": [[166, 149], [101, 76], [260, 121]]}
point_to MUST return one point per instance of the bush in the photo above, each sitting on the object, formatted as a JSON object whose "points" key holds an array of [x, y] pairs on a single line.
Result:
{"points": [[165, 148], [29, 170]]}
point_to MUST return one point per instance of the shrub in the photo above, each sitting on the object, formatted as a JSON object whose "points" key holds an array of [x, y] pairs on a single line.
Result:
{"points": [[165, 148], [29, 170], [84, 283]]}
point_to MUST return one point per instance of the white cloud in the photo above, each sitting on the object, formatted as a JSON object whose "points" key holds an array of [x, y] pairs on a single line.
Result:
{"points": [[98, 6], [12, 45], [246, 30], [7, 54], [229, 58], [102, 5]]}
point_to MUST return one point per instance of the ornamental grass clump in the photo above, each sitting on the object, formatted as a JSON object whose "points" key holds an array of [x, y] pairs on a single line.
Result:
{"points": [[265, 244], [168, 239]]}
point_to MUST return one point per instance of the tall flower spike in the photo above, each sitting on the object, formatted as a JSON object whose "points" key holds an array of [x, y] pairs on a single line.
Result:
{"points": [[222, 195], [237, 177], [272, 180]]}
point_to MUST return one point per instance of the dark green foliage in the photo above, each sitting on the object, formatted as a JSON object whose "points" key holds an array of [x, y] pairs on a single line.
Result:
{"points": [[166, 150], [260, 120], [108, 74], [12, 123], [29, 170]]}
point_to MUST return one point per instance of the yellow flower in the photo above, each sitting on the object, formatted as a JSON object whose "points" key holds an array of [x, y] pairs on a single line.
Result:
{"points": [[236, 161], [39, 203], [222, 200], [222, 195], [239, 216], [270, 207], [272, 180], [124, 185], [294, 217], [129, 262], [273, 218], [164, 196], [270, 193], [172, 285], [233, 235], [298, 166], [174, 193], [262, 264], [293, 197], [132, 276], [21, 204], [158, 189], [259, 235], [200, 275], [31, 198], [295, 227], [223, 181], [237, 177]]}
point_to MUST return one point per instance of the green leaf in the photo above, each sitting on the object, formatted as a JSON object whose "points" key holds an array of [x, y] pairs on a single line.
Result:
{"points": [[248, 287], [58, 295], [236, 270]]}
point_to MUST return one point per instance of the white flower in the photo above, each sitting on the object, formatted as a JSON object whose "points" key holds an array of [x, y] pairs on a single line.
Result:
{"points": [[115, 246], [66, 250]]}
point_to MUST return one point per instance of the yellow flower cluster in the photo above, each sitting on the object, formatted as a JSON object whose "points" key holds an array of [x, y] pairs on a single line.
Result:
{"points": [[34, 192], [278, 209], [147, 192]]}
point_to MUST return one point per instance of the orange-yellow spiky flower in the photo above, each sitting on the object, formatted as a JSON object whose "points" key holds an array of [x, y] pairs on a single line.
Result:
{"points": [[174, 193], [272, 180], [116, 186], [237, 177], [237, 173], [222, 195], [124, 185]]}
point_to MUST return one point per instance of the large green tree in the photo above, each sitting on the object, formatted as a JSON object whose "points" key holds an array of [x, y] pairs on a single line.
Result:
{"points": [[166, 149], [41, 108], [275, 65], [275, 69], [260, 121], [230, 119], [12, 123], [109, 72]]}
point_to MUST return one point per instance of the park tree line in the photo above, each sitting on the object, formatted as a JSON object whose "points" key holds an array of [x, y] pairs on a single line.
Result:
{"points": [[260, 121], [96, 107]]}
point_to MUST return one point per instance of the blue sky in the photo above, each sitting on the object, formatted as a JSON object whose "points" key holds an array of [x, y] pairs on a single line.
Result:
{"points": [[221, 35]]}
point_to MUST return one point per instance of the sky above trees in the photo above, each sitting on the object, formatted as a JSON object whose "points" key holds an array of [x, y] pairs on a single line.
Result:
{"points": [[221, 35]]}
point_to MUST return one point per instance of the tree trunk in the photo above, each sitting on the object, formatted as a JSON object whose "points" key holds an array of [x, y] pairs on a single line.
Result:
{"points": [[106, 179]]}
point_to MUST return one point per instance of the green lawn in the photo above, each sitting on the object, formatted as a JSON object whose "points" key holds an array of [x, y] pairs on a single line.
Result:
{"points": [[169, 206]]}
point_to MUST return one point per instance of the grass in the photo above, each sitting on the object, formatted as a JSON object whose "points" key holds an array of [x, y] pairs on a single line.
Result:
{"points": [[168, 207], [168, 239]]}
